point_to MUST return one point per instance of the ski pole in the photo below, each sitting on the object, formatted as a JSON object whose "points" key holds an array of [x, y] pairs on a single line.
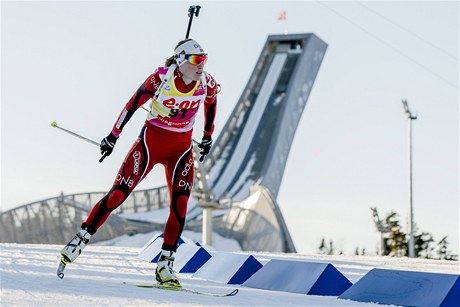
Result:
{"points": [[55, 125], [192, 11]]}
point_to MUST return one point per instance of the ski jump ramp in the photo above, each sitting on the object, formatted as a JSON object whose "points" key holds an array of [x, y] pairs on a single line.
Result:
{"points": [[251, 152], [245, 165], [255, 142]]}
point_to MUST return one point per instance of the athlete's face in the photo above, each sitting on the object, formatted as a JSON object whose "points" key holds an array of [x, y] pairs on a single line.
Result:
{"points": [[192, 71]]}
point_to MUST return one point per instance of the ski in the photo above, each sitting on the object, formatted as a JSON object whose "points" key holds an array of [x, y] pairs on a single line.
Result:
{"points": [[189, 290]]}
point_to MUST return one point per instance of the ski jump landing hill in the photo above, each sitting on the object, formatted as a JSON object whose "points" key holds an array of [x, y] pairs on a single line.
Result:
{"points": [[241, 175]]}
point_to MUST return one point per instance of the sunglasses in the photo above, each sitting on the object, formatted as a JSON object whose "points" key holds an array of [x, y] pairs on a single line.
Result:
{"points": [[196, 59]]}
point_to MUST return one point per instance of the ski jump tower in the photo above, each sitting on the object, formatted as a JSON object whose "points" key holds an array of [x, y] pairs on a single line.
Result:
{"points": [[247, 161]]}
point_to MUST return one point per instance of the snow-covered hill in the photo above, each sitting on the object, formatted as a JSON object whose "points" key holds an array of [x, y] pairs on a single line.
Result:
{"points": [[103, 276]]}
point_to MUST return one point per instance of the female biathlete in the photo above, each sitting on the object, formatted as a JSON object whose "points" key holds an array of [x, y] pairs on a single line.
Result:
{"points": [[176, 92]]}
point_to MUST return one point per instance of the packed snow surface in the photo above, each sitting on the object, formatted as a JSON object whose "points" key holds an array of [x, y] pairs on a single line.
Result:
{"points": [[105, 274]]}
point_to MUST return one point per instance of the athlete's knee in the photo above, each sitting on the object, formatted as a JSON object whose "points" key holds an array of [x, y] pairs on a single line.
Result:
{"points": [[114, 199]]}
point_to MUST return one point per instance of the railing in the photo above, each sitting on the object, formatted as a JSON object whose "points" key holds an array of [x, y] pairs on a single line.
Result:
{"points": [[56, 219]]}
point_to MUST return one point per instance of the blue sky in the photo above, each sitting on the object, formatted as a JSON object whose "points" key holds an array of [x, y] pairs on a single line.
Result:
{"points": [[78, 63]]}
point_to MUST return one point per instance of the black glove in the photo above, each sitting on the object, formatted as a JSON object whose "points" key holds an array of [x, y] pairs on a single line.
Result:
{"points": [[107, 145], [205, 145]]}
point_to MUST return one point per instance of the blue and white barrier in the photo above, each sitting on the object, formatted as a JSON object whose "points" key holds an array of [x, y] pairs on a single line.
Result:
{"points": [[299, 277], [406, 288], [188, 258], [229, 268]]}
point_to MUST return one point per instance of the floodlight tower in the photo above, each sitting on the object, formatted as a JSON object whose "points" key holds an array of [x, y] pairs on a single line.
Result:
{"points": [[410, 118]]}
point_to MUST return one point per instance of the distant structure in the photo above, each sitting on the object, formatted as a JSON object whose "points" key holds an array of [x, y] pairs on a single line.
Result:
{"points": [[383, 229], [55, 220], [250, 154], [410, 118], [256, 140], [241, 177]]}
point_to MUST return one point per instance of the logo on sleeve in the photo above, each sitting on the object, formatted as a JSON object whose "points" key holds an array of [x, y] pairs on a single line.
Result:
{"points": [[154, 82], [211, 82], [137, 160]]}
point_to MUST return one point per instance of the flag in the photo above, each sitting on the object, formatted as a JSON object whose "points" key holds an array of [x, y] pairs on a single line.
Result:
{"points": [[282, 16]]}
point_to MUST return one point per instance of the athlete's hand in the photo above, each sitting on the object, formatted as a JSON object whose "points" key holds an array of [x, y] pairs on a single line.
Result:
{"points": [[107, 145], [205, 145]]}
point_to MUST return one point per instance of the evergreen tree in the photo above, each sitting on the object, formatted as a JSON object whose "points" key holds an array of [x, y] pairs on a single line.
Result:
{"points": [[322, 247], [395, 243], [443, 252], [331, 249], [442, 248], [363, 251], [423, 245]]}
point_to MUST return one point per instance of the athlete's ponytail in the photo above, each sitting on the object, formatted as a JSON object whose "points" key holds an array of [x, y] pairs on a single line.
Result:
{"points": [[171, 60]]}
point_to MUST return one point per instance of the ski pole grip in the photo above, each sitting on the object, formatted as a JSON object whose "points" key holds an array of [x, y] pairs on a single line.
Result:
{"points": [[194, 10], [197, 10]]}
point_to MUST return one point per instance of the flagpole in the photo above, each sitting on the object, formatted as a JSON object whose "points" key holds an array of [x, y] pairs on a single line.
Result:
{"points": [[283, 17]]}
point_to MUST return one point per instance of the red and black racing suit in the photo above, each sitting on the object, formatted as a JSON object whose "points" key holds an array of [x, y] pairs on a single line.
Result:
{"points": [[157, 143]]}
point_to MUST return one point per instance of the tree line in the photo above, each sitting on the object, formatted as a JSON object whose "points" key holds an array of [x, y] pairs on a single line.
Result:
{"points": [[396, 242]]}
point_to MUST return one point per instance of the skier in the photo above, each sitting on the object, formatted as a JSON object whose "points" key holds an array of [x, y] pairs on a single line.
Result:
{"points": [[176, 92]]}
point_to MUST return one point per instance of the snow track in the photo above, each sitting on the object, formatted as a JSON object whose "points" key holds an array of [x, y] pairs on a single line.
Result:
{"points": [[101, 277]]}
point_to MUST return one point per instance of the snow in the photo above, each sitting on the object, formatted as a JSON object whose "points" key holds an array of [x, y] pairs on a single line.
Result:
{"points": [[139, 240], [105, 273], [157, 216]]}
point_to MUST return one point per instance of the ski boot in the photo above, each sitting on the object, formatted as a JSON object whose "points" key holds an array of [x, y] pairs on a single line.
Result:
{"points": [[164, 272], [72, 250]]}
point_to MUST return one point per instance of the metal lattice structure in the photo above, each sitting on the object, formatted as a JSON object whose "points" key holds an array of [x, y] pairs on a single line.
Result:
{"points": [[55, 220]]}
